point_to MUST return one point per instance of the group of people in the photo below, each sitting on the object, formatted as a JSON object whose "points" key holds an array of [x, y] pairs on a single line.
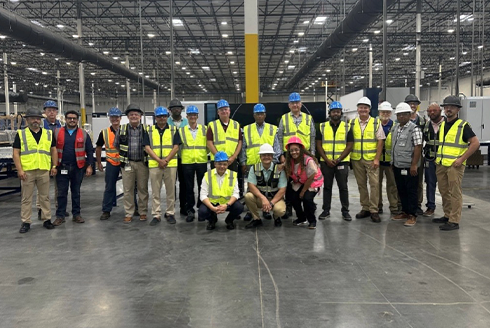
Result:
{"points": [[283, 171]]}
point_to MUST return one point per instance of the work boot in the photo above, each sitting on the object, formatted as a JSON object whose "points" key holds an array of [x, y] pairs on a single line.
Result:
{"points": [[248, 217], [105, 215], [24, 227], [212, 222], [429, 212], [448, 226], [254, 224], [440, 220], [363, 214], [48, 225], [400, 217], [410, 221], [277, 222], [58, 221], [375, 217], [155, 221], [78, 219], [267, 215]]}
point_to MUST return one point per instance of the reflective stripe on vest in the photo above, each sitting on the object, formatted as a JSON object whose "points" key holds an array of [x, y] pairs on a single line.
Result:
{"points": [[111, 153], [34, 155], [220, 195], [80, 139], [254, 140], [451, 146], [161, 144], [386, 153], [334, 145], [430, 144], [365, 142], [194, 150], [301, 131], [225, 141], [300, 176], [270, 187]]}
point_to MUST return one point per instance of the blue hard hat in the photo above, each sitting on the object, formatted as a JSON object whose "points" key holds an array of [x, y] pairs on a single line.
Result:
{"points": [[222, 103], [335, 105], [259, 108], [160, 110], [114, 111], [50, 104], [220, 157], [192, 110], [294, 97]]}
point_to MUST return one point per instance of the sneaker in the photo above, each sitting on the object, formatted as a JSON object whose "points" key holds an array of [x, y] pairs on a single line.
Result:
{"points": [[48, 225], [410, 221], [171, 219], [440, 220], [312, 225], [429, 212], [375, 217], [78, 219], [363, 214], [420, 211], [254, 224], [58, 221], [190, 217], [299, 222], [248, 217], [24, 227], [155, 221], [400, 217], [105, 215], [143, 217], [448, 226], [346, 216], [267, 215], [128, 219], [39, 214], [277, 222], [324, 215]]}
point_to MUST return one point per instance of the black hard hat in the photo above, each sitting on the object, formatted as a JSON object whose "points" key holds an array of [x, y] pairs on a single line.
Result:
{"points": [[175, 103], [72, 111], [412, 98], [33, 112], [133, 108], [452, 101]]}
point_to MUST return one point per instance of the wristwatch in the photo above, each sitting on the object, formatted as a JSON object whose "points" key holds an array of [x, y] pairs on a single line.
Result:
{"points": [[54, 167]]}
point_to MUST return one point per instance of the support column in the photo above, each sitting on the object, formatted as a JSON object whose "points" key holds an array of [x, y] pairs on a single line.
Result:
{"points": [[81, 71], [384, 85], [251, 52], [370, 65], [6, 84], [14, 90], [154, 91], [58, 90], [172, 51], [418, 50], [458, 48], [128, 86]]}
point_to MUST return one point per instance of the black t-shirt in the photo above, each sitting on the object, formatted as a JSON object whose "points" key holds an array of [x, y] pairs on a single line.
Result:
{"points": [[467, 131], [100, 141], [37, 137]]}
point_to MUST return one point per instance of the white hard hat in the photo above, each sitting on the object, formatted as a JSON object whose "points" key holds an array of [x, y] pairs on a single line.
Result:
{"points": [[385, 106], [403, 107], [364, 101], [266, 149]]}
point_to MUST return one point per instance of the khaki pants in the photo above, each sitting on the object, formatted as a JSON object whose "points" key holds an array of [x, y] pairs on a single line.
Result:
{"points": [[254, 204], [391, 190], [449, 179], [138, 173], [364, 172], [169, 177], [38, 206], [40, 180]]}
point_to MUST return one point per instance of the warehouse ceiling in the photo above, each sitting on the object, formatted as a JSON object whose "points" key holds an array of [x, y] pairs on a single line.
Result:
{"points": [[209, 45]]}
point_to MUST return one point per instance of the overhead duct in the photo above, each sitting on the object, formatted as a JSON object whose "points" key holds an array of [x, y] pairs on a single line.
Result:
{"points": [[486, 82], [362, 15], [22, 29]]}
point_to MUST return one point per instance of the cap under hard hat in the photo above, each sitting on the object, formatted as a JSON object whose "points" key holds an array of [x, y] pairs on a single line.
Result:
{"points": [[364, 101], [266, 149], [403, 107], [385, 106]]}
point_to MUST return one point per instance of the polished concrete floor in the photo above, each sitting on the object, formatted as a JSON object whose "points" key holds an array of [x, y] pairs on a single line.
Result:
{"points": [[357, 274]]}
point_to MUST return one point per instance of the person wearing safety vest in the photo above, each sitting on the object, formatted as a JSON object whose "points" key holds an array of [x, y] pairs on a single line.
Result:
{"points": [[52, 123], [164, 141], [298, 124], [35, 158], [194, 156], [266, 188], [457, 142], [385, 110], [219, 193], [420, 121], [75, 158], [306, 179], [334, 142], [255, 135], [431, 128], [175, 107], [406, 144], [133, 143], [368, 144], [112, 168]]}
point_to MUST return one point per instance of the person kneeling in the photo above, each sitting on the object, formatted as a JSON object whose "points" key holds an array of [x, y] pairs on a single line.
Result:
{"points": [[219, 194]]}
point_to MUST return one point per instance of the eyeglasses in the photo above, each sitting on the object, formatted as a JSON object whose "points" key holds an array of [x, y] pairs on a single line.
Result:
{"points": [[72, 118]]}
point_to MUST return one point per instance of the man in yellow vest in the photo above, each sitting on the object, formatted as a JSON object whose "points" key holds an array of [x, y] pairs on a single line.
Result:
{"points": [[112, 168], [35, 158], [457, 142], [219, 193], [255, 135], [164, 141], [294, 123], [334, 142], [368, 144], [194, 155], [385, 169]]}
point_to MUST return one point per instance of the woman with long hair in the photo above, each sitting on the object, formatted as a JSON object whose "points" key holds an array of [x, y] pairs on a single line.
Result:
{"points": [[306, 179]]}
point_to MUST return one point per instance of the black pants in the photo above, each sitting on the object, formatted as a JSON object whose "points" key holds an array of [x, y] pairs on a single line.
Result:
{"points": [[182, 185], [237, 168], [235, 210], [304, 208], [341, 176], [407, 186], [190, 171]]}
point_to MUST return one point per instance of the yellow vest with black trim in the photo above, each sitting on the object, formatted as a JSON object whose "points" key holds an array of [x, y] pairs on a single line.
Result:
{"points": [[334, 144], [220, 195], [225, 141], [161, 144], [365, 142], [386, 154], [302, 131], [451, 146], [33, 155], [193, 150], [254, 140]]}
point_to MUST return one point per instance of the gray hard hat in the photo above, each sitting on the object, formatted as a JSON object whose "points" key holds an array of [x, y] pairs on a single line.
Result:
{"points": [[452, 101], [33, 112], [133, 108], [412, 98], [175, 103]]}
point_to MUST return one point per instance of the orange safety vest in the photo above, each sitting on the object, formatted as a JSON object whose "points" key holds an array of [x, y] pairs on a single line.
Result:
{"points": [[111, 153], [80, 139]]}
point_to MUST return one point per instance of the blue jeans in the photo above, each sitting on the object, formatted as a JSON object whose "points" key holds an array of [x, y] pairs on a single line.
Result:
{"points": [[431, 181], [235, 210], [111, 175], [74, 180]]}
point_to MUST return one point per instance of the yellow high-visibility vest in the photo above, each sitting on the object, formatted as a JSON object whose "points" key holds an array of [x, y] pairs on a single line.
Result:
{"points": [[225, 141], [161, 144], [365, 143], [254, 140], [302, 131], [33, 155], [193, 150], [334, 145], [217, 194], [451, 146]]}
